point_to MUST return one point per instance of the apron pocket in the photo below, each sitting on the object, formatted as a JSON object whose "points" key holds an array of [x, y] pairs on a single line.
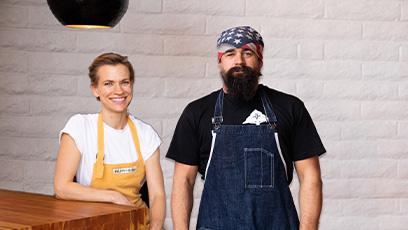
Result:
{"points": [[259, 168]]}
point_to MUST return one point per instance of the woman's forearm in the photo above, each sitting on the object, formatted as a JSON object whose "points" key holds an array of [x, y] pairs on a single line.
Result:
{"points": [[76, 191], [157, 211]]}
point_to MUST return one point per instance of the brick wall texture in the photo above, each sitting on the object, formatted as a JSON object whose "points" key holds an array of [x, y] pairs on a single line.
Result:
{"points": [[347, 60]]}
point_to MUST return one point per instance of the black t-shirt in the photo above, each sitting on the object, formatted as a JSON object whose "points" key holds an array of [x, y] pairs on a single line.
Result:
{"points": [[298, 137]]}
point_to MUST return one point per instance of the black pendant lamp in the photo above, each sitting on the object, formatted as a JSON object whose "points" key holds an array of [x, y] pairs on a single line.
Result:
{"points": [[88, 14]]}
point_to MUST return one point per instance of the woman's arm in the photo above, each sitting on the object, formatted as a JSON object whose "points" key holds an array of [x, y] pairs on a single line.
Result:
{"points": [[65, 170], [157, 197]]}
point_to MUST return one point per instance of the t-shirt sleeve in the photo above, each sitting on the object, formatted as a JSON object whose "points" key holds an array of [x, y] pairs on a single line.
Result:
{"points": [[149, 141], [184, 147], [305, 139], [74, 128]]}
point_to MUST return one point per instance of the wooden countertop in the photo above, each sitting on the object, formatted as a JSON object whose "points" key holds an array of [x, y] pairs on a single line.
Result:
{"points": [[21, 210]]}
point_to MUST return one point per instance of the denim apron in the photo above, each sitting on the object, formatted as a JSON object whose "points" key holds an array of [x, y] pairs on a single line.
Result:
{"points": [[246, 185]]}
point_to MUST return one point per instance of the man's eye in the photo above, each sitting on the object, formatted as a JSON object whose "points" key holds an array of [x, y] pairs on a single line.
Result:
{"points": [[125, 82], [229, 54], [108, 83]]}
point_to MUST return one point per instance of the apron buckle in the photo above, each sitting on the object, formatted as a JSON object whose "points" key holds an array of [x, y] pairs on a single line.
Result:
{"points": [[216, 121]]}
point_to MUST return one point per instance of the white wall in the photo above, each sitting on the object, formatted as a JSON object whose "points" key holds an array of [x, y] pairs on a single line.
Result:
{"points": [[347, 60]]}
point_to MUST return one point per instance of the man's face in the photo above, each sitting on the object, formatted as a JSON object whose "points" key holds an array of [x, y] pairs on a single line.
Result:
{"points": [[239, 57], [240, 71]]}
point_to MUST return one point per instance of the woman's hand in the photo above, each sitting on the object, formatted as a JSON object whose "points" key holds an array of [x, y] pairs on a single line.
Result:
{"points": [[119, 198]]}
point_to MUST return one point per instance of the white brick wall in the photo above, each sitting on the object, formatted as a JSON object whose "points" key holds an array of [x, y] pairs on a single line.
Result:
{"points": [[347, 60]]}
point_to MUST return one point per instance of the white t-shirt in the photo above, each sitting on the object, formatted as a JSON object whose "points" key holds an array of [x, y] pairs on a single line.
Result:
{"points": [[119, 145]]}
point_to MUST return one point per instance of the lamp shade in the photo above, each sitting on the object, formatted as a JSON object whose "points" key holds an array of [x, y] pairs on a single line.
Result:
{"points": [[88, 13]]}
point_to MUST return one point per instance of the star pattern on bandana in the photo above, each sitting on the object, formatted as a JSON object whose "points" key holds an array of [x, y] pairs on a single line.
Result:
{"points": [[238, 36]]}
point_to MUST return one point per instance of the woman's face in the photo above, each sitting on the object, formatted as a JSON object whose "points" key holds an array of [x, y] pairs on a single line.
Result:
{"points": [[114, 88]]}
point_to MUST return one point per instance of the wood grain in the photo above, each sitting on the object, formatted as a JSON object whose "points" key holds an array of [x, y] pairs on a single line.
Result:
{"points": [[20, 210]]}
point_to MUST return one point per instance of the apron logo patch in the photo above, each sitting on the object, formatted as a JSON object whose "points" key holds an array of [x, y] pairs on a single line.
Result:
{"points": [[124, 170]]}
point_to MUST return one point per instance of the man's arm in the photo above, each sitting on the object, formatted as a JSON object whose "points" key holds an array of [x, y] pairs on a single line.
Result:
{"points": [[182, 195], [310, 192]]}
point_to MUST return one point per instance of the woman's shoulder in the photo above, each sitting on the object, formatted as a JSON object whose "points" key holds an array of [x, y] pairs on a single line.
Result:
{"points": [[141, 125], [83, 119], [149, 138]]}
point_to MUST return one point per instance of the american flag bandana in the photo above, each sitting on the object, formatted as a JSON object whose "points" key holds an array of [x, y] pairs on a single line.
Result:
{"points": [[240, 37]]}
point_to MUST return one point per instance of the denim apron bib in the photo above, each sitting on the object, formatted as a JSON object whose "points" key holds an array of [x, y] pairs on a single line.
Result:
{"points": [[246, 185]]}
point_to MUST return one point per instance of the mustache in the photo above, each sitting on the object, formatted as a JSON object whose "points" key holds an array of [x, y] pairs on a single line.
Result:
{"points": [[245, 70]]}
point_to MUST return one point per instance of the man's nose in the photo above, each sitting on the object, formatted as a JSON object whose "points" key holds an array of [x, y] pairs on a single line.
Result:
{"points": [[239, 60]]}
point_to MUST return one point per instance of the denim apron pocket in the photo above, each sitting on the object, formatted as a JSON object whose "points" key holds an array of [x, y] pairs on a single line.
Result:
{"points": [[259, 168]]}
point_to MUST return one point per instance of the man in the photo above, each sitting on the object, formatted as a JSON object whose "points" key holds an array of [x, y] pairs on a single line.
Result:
{"points": [[245, 141]]}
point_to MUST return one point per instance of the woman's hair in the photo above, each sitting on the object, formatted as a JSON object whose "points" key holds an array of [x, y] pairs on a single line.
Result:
{"points": [[109, 59]]}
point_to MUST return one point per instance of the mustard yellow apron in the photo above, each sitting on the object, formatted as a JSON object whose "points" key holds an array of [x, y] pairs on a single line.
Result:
{"points": [[124, 178]]}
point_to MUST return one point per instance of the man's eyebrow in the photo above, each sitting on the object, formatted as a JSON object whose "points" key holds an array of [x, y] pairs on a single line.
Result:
{"points": [[229, 50], [247, 49]]}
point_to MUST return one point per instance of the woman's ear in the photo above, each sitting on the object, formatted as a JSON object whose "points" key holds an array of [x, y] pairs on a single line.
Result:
{"points": [[94, 90]]}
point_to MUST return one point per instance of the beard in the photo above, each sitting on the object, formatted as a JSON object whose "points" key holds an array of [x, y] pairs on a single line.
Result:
{"points": [[242, 82]]}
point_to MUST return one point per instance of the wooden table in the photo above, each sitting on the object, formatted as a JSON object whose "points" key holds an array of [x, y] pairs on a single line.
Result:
{"points": [[20, 210]]}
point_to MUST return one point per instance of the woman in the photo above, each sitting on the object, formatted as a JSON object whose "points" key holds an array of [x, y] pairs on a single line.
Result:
{"points": [[111, 153]]}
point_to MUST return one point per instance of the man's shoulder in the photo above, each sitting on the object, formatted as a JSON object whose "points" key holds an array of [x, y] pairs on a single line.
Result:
{"points": [[203, 103], [279, 97]]}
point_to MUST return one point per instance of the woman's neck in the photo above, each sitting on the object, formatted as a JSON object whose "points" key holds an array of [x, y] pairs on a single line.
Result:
{"points": [[115, 120]]}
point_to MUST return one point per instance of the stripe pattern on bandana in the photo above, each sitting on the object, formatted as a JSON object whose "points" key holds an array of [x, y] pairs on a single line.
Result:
{"points": [[240, 37]]}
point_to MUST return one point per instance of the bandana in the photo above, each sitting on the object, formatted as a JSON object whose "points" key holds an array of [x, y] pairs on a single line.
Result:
{"points": [[240, 37]]}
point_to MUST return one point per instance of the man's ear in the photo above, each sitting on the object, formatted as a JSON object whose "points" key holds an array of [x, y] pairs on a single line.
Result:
{"points": [[219, 65]]}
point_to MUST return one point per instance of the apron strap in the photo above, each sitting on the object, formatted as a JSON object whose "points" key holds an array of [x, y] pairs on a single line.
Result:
{"points": [[268, 109], [135, 137], [218, 119], [101, 148], [272, 118]]}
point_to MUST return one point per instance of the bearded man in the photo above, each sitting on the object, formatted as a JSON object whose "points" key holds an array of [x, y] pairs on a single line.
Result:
{"points": [[245, 140]]}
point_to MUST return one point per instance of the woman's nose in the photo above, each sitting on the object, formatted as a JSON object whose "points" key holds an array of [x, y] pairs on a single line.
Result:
{"points": [[118, 88]]}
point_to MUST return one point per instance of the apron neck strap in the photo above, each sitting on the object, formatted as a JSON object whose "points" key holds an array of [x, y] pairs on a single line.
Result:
{"points": [[217, 119], [267, 106], [135, 137], [101, 148]]}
